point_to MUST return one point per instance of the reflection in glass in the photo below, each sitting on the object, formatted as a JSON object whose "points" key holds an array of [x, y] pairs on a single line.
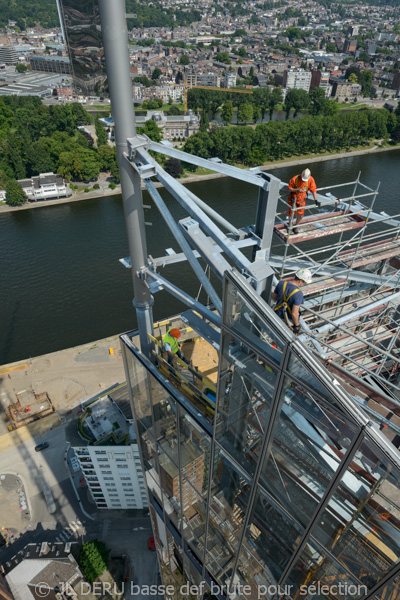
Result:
{"points": [[228, 504], [194, 480], [270, 540], [391, 591], [361, 524], [242, 318], [138, 380], [316, 576], [309, 443], [85, 46], [245, 394]]}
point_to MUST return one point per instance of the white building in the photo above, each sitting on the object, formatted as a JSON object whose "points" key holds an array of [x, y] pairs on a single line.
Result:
{"points": [[109, 457], [230, 79], [298, 79], [44, 187]]}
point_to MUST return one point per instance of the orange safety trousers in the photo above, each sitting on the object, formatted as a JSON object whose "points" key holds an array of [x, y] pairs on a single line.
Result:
{"points": [[300, 201]]}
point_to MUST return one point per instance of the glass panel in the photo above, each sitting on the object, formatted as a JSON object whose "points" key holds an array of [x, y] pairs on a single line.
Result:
{"points": [[137, 379], [317, 576], [361, 524], [241, 317], [391, 591], [245, 392], [298, 369], [228, 503], [308, 445], [195, 460], [270, 540]]}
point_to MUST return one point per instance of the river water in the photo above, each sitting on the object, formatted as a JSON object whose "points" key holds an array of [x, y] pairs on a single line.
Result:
{"points": [[62, 284]]}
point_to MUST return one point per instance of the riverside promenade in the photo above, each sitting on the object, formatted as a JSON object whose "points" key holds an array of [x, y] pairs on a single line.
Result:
{"points": [[106, 192]]}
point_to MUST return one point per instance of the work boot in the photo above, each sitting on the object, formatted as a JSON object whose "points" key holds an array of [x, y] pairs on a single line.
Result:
{"points": [[296, 230]]}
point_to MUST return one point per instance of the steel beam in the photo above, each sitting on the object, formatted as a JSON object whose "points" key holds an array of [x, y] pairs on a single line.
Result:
{"points": [[358, 313], [337, 272], [180, 238], [150, 276], [115, 41], [212, 165], [179, 192], [211, 253]]}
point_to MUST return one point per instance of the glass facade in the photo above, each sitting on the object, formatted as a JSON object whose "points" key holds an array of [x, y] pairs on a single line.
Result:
{"points": [[290, 491], [82, 31]]}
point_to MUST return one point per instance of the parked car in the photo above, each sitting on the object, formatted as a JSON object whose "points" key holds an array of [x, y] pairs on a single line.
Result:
{"points": [[41, 446], [151, 544]]}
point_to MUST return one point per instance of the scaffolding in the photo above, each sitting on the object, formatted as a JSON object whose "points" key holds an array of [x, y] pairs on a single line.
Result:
{"points": [[351, 308]]}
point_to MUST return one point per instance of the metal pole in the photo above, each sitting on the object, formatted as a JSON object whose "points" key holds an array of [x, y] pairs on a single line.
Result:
{"points": [[115, 41]]}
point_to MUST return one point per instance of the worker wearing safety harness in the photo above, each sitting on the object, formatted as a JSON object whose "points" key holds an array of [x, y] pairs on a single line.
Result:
{"points": [[288, 298], [298, 188], [171, 345]]}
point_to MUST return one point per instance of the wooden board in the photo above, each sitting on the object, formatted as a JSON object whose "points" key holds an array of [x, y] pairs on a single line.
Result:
{"points": [[321, 225]]}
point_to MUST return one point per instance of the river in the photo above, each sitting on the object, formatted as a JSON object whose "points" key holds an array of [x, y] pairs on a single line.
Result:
{"points": [[62, 284]]}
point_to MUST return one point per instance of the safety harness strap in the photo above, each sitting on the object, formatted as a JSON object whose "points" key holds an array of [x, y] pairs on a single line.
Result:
{"points": [[285, 304]]}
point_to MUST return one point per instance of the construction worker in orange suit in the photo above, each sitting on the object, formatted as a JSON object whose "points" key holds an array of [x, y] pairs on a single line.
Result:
{"points": [[298, 188]]}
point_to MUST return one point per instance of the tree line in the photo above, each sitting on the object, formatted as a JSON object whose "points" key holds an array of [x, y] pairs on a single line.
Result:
{"points": [[311, 134], [38, 139]]}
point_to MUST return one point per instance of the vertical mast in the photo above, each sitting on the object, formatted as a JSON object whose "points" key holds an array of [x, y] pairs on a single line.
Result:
{"points": [[115, 40]]}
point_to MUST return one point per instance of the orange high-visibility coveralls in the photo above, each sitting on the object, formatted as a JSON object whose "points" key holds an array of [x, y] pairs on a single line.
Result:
{"points": [[300, 197]]}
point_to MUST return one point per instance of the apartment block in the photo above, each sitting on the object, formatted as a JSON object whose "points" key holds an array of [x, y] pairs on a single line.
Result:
{"points": [[297, 79], [109, 457]]}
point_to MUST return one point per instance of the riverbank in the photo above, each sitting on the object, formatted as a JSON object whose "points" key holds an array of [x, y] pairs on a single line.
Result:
{"points": [[105, 192]]}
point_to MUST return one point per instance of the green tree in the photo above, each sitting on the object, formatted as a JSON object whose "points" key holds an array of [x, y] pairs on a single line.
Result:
{"points": [[256, 114], [156, 74], [81, 164], [93, 559], [101, 133], [20, 68], [242, 52], [318, 101], [107, 156], [366, 79], [204, 122], [173, 167], [353, 78], [297, 99], [174, 110], [239, 33], [364, 56], [227, 112], [151, 130], [294, 33], [245, 113], [15, 195], [223, 57], [184, 60], [39, 159]]}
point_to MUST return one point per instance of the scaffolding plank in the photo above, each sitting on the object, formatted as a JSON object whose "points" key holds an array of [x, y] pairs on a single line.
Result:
{"points": [[370, 253], [321, 225]]}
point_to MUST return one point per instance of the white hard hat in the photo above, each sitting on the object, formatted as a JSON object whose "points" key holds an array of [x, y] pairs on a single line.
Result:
{"points": [[306, 174], [304, 275]]}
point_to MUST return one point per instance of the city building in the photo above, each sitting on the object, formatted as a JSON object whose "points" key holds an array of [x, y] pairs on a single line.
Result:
{"points": [[350, 46], [230, 79], [396, 81], [82, 30], [297, 79], [8, 55], [108, 455], [42, 571], [342, 89], [44, 187], [321, 79], [50, 64]]}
